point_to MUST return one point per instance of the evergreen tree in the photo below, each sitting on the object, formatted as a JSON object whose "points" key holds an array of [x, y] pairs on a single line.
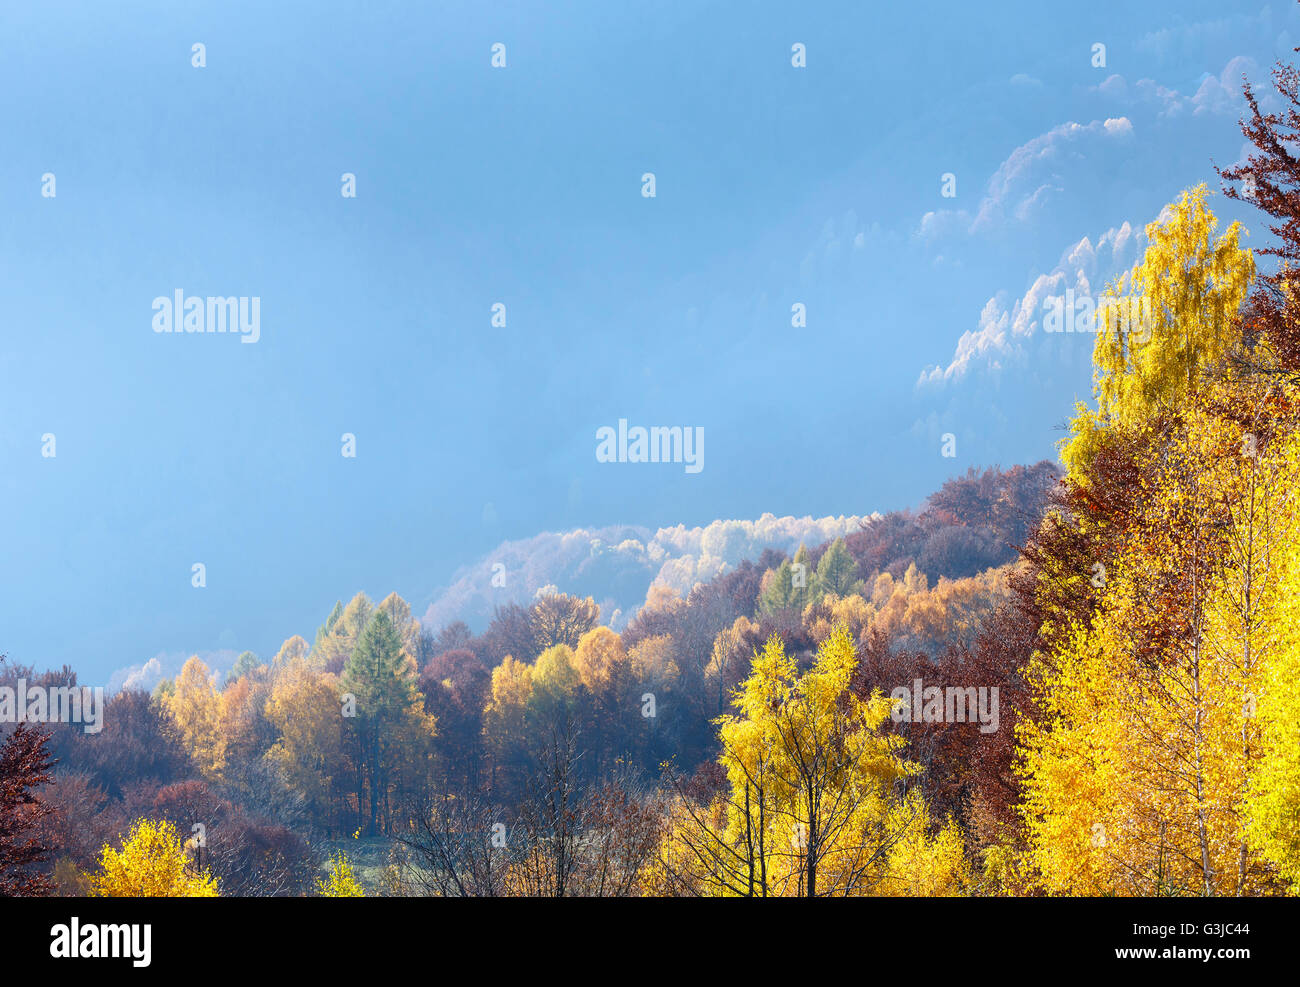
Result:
{"points": [[390, 729], [837, 571]]}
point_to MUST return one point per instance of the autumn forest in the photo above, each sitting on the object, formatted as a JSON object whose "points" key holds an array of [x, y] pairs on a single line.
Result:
{"points": [[1075, 678]]}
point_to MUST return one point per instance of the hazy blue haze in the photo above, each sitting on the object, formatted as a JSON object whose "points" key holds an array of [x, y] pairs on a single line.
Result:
{"points": [[775, 185]]}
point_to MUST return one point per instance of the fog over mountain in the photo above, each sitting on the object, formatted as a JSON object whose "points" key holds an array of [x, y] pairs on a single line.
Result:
{"points": [[617, 564]]}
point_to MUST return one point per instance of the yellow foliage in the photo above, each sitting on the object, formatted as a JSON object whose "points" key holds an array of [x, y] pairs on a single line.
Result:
{"points": [[812, 805], [654, 662], [340, 882], [504, 715], [1273, 802], [152, 863], [304, 708], [912, 614], [196, 707], [599, 658], [1185, 293], [1137, 775]]}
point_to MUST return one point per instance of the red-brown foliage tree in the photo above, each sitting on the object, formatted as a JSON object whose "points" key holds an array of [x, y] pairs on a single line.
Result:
{"points": [[24, 767]]}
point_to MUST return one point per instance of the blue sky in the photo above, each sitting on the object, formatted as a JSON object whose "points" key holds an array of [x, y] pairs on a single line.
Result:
{"points": [[522, 185]]}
